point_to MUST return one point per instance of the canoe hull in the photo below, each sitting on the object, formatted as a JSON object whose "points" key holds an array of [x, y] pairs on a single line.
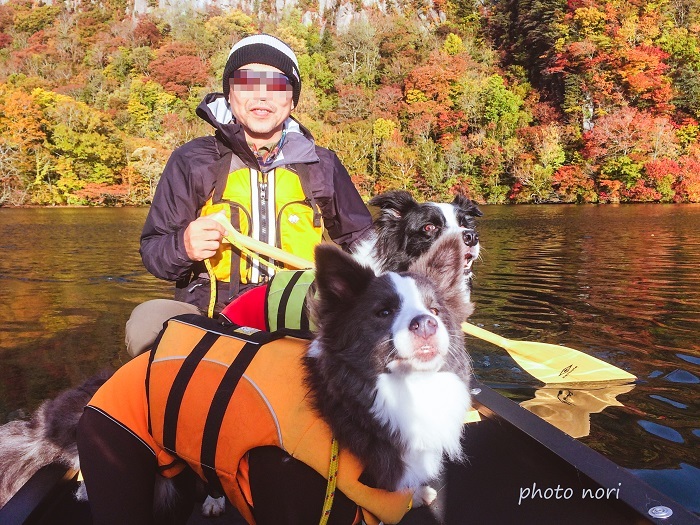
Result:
{"points": [[519, 469]]}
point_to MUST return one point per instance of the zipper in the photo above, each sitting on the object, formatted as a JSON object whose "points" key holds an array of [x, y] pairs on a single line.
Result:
{"points": [[263, 204]]}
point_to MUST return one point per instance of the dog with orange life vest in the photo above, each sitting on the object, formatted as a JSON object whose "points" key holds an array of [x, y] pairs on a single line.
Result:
{"points": [[388, 350]]}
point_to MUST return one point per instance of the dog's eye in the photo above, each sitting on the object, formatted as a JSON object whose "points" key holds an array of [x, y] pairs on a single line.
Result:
{"points": [[429, 227], [435, 311], [384, 312]]}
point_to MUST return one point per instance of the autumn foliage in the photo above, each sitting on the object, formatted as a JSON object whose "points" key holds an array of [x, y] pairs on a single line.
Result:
{"points": [[585, 101]]}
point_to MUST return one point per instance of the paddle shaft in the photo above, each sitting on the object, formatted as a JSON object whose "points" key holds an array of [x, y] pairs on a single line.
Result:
{"points": [[237, 238], [546, 362], [480, 333]]}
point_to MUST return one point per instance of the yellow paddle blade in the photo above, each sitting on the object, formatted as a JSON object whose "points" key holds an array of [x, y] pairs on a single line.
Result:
{"points": [[553, 363]]}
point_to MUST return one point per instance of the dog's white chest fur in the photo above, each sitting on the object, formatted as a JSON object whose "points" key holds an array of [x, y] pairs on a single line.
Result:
{"points": [[426, 410], [363, 252]]}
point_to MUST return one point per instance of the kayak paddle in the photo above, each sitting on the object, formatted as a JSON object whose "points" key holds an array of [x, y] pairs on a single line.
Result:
{"points": [[546, 362], [553, 363]]}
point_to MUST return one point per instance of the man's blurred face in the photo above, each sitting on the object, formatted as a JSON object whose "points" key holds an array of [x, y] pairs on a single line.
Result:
{"points": [[261, 100]]}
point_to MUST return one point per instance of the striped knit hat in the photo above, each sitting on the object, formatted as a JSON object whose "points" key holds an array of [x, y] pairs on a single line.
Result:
{"points": [[264, 49]]}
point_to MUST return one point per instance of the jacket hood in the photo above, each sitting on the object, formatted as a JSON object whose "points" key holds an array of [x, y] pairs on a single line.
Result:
{"points": [[298, 147]]}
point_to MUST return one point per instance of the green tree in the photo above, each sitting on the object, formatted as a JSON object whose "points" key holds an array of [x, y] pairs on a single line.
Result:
{"points": [[319, 82], [503, 108], [85, 144], [683, 48], [148, 104], [453, 45], [357, 54], [36, 19], [527, 31]]}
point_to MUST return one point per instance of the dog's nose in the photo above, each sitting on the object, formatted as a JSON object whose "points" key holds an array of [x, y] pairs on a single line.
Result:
{"points": [[471, 238], [423, 326]]}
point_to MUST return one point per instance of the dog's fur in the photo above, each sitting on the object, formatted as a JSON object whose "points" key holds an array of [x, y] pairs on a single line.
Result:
{"points": [[389, 350], [405, 229], [48, 437]]}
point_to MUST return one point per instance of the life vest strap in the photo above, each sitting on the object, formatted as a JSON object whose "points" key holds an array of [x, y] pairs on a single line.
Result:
{"points": [[177, 392], [217, 410], [151, 356], [213, 330]]}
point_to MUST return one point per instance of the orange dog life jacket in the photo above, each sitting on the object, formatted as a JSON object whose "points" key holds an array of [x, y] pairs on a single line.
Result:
{"points": [[212, 393]]}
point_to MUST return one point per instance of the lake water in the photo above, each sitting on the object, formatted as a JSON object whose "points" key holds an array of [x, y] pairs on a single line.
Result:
{"points": [[621, 283]]}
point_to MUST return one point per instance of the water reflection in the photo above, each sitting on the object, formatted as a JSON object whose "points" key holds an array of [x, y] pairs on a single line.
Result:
{"points": [[570, 409], [618, 282], [682, 481], [661, 431], [70, 278]]}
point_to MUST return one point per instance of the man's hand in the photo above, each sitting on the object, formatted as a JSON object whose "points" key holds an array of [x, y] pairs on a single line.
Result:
{"points": [[202, 238]]}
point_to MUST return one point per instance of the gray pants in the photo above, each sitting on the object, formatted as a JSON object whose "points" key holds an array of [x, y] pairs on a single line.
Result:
{"points": [[147, 319]]}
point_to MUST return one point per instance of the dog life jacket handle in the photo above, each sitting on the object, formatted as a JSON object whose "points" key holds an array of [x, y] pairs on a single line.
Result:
{"points": [[286, 302]]}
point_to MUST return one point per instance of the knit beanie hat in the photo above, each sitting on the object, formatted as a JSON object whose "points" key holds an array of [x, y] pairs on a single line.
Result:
{"points": [[264, 49]]}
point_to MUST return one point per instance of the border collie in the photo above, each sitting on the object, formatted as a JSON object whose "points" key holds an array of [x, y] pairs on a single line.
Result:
{"points": [[395, 342], [404, 229], [388, 352]]}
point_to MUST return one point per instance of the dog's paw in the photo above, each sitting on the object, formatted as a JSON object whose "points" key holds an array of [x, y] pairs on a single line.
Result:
{"points": [[213, 507], [424, 495], [81, 492]]}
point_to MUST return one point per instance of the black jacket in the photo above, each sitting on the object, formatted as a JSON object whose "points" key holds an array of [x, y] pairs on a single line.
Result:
{"points": [[191, 172]]}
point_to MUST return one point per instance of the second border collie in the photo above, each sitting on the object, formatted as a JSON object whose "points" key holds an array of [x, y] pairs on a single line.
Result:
{"points": [[405, 229]]}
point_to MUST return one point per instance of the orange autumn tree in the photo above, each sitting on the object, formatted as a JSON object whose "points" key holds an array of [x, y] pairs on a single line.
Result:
{"points": [[625, 149], [178, 69], [22, 156]]}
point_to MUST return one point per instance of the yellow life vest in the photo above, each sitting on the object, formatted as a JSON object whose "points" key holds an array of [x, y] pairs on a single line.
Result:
{"points": [[273, 207], [214, 393]]}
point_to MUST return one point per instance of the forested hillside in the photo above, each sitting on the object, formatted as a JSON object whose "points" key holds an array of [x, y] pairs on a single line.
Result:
{"points": [[506, 101]]}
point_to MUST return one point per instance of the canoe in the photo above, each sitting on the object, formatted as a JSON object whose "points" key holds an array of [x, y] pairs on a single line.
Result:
{"points": [[520, 470]]}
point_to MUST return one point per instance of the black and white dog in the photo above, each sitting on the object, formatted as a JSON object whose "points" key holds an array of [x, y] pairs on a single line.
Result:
{"points": [[405, 229], [387, 352]]}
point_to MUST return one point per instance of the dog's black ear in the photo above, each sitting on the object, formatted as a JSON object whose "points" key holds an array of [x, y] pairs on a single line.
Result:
{"points": [[469, 206], [443, 265], [339, 277], [394, 204]]}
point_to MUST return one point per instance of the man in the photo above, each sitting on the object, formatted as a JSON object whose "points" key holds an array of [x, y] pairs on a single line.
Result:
{"points": [[262, 169]]}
